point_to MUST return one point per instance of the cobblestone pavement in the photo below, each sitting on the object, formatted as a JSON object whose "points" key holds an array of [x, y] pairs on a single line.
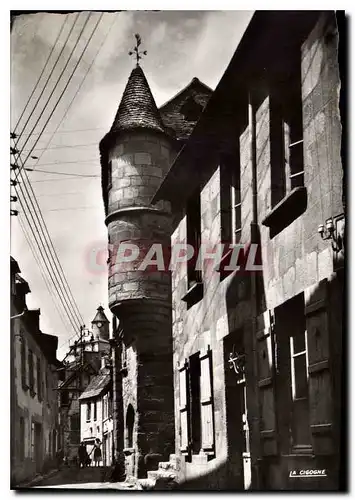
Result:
{"points": [[93, 486], [76, 478]]}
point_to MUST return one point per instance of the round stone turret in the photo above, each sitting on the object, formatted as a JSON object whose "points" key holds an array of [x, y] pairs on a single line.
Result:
{"points": [[136, 155]]}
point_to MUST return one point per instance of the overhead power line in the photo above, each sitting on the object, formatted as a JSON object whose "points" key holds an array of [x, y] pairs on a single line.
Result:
{"points": [[79, 88], [65, 173], [54, 88], [40, 76], [46, 255], [43, 273], [68, 131]]}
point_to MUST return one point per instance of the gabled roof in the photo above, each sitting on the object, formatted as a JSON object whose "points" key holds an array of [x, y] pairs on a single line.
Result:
{"points": [[74, 368], [137, 108], [175, 112], [97, 384], [14, 266], [100, 316]]}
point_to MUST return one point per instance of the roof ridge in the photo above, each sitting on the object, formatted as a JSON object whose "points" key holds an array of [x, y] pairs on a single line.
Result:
{"points": [[194, 79]]}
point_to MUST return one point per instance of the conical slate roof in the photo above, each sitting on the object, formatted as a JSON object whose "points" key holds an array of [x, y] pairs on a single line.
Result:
{"points": [[137, 108], [100, 316]]}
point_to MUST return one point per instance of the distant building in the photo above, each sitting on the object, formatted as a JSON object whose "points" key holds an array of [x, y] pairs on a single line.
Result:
{"points": [[34, 379], [81, 364], [96, 414]]}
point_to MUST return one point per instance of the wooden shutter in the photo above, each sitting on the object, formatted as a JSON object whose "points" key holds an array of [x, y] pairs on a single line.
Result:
{"points": [[184, 408], [320, 386], [207, 427], [266, 382], [23, 363]]}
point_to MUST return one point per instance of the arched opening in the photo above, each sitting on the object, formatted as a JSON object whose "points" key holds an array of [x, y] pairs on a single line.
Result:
{"points": [[129, 426]]}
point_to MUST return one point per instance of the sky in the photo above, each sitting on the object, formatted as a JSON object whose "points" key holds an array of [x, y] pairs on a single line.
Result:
{"points": [[180, 45]]}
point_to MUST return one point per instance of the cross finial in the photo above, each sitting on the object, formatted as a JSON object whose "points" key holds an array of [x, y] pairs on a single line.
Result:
{"points": [[136, 52]]}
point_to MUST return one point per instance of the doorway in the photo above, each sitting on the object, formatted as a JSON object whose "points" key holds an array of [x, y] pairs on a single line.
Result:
{"points": [[38, 455], [237, 409]]}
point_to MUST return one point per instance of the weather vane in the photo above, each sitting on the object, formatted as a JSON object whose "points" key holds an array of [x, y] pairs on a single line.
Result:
{"points": [[136, 52]]}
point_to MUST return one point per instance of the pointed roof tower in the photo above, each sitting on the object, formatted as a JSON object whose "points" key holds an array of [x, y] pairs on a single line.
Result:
{"points": [[137, 108], [100, 316]]}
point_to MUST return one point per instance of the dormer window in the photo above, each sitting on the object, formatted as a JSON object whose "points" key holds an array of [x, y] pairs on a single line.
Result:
{"points": [[191, 110]]}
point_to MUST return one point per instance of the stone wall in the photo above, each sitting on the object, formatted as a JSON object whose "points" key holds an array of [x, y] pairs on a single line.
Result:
{"points": [[297, 257], [293, 260], [141, 298]]}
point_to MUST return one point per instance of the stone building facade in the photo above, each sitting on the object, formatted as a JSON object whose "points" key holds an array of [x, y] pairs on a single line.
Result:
{"points": [[96, 414], [237, 373], [35, 425], [80, 366], [257, 355]]}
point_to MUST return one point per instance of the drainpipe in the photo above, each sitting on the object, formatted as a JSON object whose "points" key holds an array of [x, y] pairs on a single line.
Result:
{"points": [[254, 237]]}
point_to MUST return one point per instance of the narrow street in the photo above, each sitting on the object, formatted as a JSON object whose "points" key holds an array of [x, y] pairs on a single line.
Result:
{"points": [[88, 478]]}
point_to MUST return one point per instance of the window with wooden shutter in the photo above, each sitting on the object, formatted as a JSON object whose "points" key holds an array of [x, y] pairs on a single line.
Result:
{"points": [[207, 421], [23, 364], [184, 408], [320, 387], [265, 356], [30, 372], [39, 380]]}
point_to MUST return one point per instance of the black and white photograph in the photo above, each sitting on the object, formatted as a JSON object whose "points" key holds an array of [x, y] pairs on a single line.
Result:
{"points": [[178, 193]]}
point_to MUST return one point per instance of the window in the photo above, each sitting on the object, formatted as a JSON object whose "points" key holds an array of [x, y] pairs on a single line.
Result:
{"points": [[64, 398], [22, 438], [32, 440], [30, 371], [88, 412], [196, 404], [231, 220], [98, 430], [75, 428], [299, 384], [193, 221], [109, 175], [286, 133], [39, 380], [293, 377], [95, 410], [105, 402], [23, 364], [129, 426]]}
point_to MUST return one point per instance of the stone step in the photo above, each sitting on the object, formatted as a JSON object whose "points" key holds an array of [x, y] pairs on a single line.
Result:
{"points": [[167, 466], [146, 484], [161, 475]]}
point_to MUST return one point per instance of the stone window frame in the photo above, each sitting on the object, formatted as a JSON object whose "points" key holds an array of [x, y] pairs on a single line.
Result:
{"points": [[193, 237], [88, 411], [288, 193]]}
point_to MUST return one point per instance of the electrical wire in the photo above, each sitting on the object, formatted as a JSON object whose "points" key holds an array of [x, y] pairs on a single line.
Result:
{"points": [[66, 173], [78, 89], [53, 90], [44, 277], [40, 76], [33, 226], [45, 85], [70, 78], [52, 251]]}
